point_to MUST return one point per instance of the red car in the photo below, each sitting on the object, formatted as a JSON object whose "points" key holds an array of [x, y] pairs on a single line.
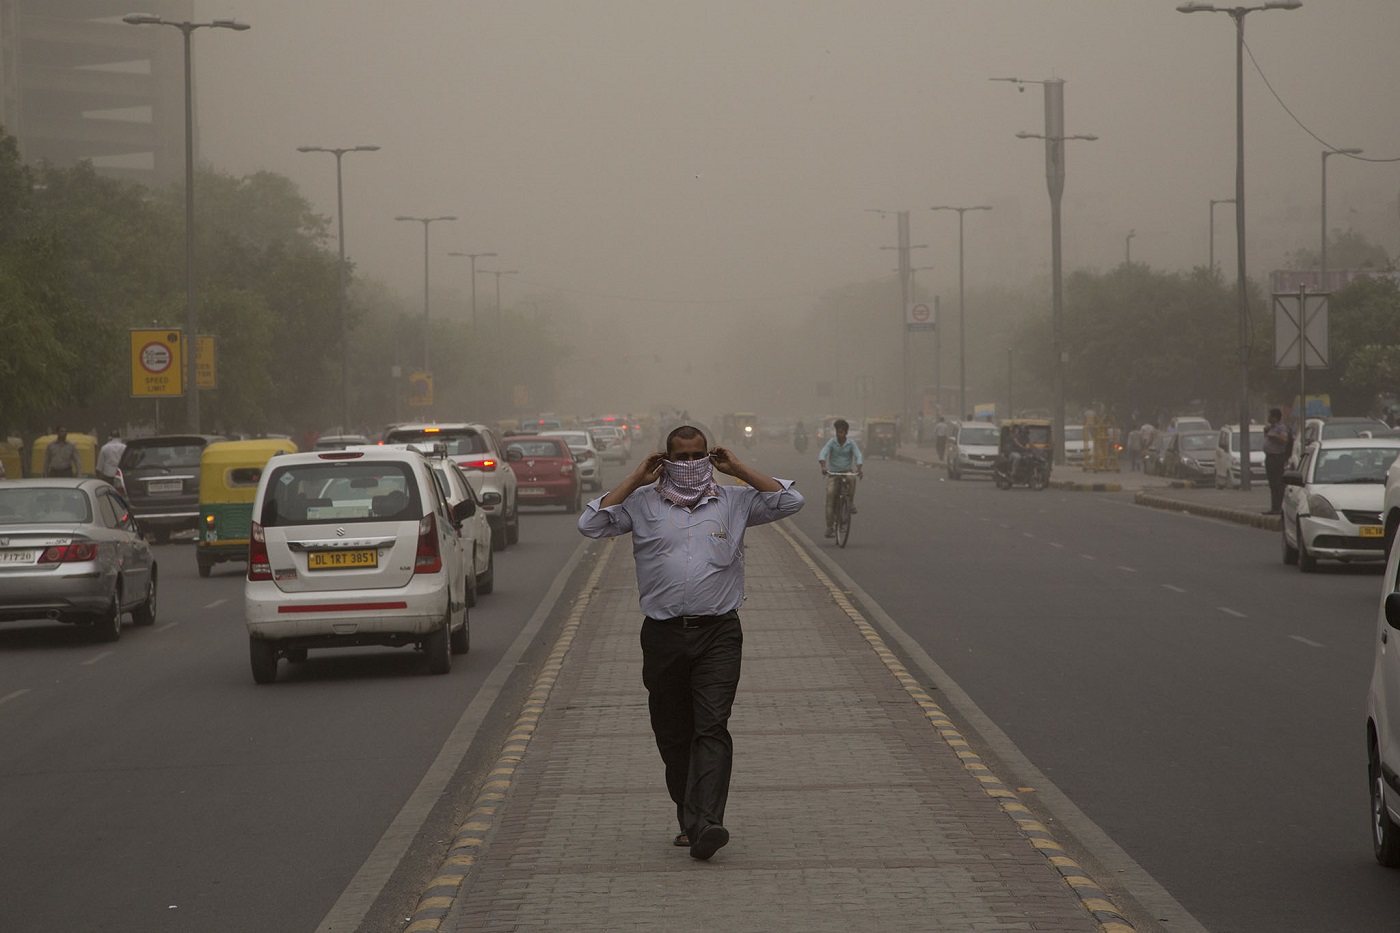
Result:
{"points": [[544, 471]]}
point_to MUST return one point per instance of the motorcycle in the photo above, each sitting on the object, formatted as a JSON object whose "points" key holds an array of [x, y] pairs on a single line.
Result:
{"points": [[749, 435], [799, 440], [1032, 470]]}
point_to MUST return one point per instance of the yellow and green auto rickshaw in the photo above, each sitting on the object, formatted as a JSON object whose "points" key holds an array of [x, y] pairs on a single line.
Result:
{"points": [[881, 437], [87, 453], [228, 482]]}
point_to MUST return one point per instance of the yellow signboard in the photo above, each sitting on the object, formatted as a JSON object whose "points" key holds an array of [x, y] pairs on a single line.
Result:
{"points": [[204, 371], [420, 390], [156, 363]]}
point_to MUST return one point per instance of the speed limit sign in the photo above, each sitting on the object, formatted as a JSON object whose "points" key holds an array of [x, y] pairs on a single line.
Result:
{"points": [[156, 363]]}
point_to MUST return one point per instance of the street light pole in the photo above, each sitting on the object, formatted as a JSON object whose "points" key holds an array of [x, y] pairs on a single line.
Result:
{"points": [[1055, 181], [1238, 14], [473, 257], [1128, 247], [962, 316], [427, 338], [1213, 202], [1322, 257], [339, 153], [500, 325], [191, 317]]}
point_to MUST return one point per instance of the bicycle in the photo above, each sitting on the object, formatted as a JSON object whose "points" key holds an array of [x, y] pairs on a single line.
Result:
{"points": [[843, 506]]}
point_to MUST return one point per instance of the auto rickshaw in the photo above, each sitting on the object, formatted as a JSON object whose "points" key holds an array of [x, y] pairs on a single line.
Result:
{"points": [[881, 437], [87, 453], [1033, 469], [228, 482]]}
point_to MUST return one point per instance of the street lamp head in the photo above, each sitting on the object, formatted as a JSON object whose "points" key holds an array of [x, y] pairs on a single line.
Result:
{"points": [[1024, 135], [142, 19], [364, 148], [407, 218], [229, 24], [310, 149], [1342, 152], [1194, 7], [1283, 4]]}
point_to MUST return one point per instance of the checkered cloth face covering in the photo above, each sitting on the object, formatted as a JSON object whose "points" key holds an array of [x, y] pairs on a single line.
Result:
{"points": [[686, 482]]}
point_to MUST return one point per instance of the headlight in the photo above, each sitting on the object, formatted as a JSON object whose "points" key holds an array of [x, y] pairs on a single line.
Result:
{"points": [[1320, 507]]}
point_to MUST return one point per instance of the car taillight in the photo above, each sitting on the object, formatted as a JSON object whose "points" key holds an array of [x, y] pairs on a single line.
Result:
{"points": [[487, 465], [69, 553], [120, 482], [259, 567], [428, 559], [566, 468]]}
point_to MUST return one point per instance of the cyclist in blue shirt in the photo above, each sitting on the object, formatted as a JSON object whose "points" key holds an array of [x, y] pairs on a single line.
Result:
{"points": [[839, 455]]}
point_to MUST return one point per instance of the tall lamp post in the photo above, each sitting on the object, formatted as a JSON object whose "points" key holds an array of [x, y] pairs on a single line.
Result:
{"points": [[427, 339], [191, 318], [1128, 247], [473, 257], [1322, 257], [476, 342], [1213, 202], [962, 317], [1055, 181], [339, 153], [1238, 14], [500, 399]]}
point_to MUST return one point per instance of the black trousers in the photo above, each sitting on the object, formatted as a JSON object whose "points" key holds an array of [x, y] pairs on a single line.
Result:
{"points": [[691, 672], [1273, 471]]}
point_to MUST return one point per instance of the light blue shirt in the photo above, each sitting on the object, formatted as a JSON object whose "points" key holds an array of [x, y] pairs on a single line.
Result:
{"points": [[841, 458], [690, 562]]}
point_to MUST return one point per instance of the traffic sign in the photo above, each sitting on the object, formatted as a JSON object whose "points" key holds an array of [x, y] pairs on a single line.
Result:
{"points": [[420, 390], [204, 370], [920, 316], [156, 364]]}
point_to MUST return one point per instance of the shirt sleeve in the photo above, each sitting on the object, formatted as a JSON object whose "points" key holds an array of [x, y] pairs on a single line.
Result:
{"points": [[767, 507], [856, 449], [599, 522], [826, 449]]}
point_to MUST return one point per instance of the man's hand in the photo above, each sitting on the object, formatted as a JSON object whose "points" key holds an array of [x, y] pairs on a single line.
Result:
{"points": [[725, 461], [648, 470]]}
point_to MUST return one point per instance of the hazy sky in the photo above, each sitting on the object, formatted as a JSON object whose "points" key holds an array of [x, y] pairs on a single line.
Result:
{"points": [[646, 154]]}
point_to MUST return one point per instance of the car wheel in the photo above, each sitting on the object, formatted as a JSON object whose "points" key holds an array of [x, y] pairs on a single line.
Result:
{"points": [[1290, 553], [205, 566], [486, 582], [461, 640], [145, 614], [499, 535], [1385, 836], [1306, 562], [108, 626], [438, 648], [262, 654], [513, 525]]}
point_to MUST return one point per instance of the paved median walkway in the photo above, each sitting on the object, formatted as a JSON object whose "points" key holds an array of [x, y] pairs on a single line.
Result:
{"points": [[855, 804]]}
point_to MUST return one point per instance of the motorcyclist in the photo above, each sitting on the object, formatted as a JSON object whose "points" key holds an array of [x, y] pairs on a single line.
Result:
{"points": [[799, 437], [1019, 448]]}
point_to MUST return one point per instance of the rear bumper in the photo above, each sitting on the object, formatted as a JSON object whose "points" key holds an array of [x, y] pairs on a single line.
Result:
{"points": [[68, 597], [346, 617]]}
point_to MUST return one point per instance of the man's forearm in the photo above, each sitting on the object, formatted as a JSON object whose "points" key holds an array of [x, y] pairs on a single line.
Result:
{"points": [[760, 481]]}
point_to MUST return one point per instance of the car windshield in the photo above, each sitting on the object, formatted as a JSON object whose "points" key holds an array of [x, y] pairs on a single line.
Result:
{"points": [[1197, 441], [1256, 439], [576, 441], [34, 505], [1074, 432], [161, 455], [543, 447], [1353, 464], [984, 435], [341, 491], [459, 441]]}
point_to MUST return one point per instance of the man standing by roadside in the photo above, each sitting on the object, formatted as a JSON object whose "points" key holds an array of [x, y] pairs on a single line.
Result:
{"points": [[1278, 441], [61, 457], [839, 455], [688, 543], [940, 437], [109, 456]]}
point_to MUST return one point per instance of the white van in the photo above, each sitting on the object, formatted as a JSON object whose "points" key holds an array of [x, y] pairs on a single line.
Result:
{"points": [[354, 547]]}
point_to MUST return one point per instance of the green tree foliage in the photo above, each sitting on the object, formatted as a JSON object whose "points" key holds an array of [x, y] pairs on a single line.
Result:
{"points": [[1346, 249]]}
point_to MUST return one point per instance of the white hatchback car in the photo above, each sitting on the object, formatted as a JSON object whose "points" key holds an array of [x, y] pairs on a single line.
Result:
{"points": [[349, 548], [1332, 503], [1383, 722], [972, 449]]}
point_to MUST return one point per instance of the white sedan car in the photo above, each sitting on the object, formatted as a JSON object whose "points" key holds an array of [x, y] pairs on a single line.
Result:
{"points": [[1332, 503], [586, 457]]}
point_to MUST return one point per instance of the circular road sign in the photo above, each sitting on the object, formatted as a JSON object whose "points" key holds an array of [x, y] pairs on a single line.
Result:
{"points": [[920, 313], [155, 358]]}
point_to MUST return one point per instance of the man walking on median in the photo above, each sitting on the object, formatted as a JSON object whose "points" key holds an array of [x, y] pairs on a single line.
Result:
{"points": [[688, 543]]}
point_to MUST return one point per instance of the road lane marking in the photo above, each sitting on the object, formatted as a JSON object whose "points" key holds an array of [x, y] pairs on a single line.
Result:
{"points": [[1027, 534], [1057, 544], [216, 603], [94, 660], [1228, 611], [1174, 589], [1307, 641], [1088, 556], [1127, 569], [10, 696]]}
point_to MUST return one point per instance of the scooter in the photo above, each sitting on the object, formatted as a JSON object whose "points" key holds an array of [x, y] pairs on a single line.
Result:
{"points": [[1033, 471]]}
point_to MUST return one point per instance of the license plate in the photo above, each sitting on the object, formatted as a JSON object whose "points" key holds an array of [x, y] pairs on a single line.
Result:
{"points": [[357, 559], [531, 491], [18, 557], [164, 487], [1372, 531]]}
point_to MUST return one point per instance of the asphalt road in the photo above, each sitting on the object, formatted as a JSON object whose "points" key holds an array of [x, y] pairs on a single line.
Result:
{"points": [[1202, 703], [149, 785]]}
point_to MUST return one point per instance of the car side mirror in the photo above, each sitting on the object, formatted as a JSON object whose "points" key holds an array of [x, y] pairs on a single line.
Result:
{"points": [[580, 457], [1392, 610], [1292, 478], [514, 454], [463, 510]]}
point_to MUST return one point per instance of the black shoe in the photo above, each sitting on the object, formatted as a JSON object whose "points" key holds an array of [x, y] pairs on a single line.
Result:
{"points": [[681, 840], [711, 839]]}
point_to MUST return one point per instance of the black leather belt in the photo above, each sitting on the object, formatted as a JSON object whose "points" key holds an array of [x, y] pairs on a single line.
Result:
{"points": [[697, 621]]}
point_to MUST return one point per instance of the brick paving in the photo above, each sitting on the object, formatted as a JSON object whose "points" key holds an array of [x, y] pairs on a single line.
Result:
{"points": [[848, 811]]}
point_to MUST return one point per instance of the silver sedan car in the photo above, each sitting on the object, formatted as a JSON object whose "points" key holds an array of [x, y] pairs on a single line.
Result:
{"points": [[70, 551]]}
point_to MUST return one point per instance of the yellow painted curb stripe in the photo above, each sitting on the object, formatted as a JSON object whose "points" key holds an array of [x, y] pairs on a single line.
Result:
{"points": [[1091, 896]]}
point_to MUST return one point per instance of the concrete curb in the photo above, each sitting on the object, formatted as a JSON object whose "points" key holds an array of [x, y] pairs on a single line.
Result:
{"points": [[1238, 516]]}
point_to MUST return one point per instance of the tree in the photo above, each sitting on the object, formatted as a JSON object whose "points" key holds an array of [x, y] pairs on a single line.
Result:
{"points": [[1346, 249]]}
